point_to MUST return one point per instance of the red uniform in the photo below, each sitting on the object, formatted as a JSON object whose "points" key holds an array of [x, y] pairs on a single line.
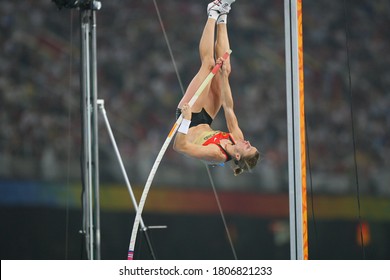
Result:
{"points": [[216, 140]]}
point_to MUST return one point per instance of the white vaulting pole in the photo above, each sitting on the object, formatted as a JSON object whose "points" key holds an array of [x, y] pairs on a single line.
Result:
{"points": [[296, 130], [152, 173]]}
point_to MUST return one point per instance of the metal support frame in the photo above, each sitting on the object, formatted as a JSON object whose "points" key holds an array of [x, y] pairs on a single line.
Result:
{"points": [[296, 130], [90, 156], [89, 110], [89, 153]]}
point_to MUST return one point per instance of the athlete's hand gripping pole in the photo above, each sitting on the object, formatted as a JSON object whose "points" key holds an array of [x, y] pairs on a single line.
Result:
{"points": [[152, 173]]}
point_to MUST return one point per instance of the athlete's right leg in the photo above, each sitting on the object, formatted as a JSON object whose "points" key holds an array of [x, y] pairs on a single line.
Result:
{"points": [[221, 46], [206, 52]]}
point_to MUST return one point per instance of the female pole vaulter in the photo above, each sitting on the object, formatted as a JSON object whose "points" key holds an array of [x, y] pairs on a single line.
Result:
{"points": [[195, 137]]}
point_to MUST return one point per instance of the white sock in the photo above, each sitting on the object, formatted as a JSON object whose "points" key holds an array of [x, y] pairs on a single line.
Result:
{"points": [[222, 19], [213, 14]]}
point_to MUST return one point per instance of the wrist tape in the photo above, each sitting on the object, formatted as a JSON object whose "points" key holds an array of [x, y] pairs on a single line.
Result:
{"points": [[184, 126]]}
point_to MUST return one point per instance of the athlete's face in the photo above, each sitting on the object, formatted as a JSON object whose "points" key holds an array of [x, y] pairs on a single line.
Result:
{"points": [[244, 148]]}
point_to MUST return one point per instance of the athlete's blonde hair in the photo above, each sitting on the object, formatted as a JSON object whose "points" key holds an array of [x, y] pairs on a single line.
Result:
{"points": [[245, 163]]}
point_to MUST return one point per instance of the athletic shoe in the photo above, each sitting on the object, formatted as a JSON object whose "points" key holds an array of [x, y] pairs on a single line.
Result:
{"points": [[221, 6]]}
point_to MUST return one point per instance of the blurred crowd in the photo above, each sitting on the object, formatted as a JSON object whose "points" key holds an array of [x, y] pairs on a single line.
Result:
{"points": [[347, 100]]}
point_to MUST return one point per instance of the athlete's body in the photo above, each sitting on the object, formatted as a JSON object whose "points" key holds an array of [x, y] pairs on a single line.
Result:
{"points": [[200, 140]]}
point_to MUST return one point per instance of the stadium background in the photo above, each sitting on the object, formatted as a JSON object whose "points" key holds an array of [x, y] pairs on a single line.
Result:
{"points": [[40, 136]]}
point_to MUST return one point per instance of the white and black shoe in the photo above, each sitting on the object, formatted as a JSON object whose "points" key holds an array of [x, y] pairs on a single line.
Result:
{"points": [[220, 6]]}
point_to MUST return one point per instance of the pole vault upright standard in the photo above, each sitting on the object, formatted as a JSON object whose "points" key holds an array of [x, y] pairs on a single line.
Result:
{"points": [[90, 160], [89, 153], [296, 129]]}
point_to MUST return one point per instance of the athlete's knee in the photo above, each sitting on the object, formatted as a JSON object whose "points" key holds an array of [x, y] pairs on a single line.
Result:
{"points": [[208, 63]]}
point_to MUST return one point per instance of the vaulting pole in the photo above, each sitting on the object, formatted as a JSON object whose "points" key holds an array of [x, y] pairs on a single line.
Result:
{"points": [[296, 130]]}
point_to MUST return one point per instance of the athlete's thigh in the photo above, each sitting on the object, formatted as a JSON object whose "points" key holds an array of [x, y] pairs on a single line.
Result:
{"points": [[193, 88], [214, 101]]}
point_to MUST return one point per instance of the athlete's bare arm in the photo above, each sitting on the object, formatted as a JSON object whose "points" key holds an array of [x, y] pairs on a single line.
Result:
{"points": [[181, 144], [228, 105]]}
